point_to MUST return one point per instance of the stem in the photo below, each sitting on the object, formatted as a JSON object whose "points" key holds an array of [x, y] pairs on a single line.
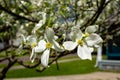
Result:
{"points": [[57, 65]]}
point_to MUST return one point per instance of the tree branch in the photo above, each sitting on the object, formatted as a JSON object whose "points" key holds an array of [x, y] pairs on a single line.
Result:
{"points": [[6, 58], [94, 18], [5, 48], [17, 15], [27, 65]]}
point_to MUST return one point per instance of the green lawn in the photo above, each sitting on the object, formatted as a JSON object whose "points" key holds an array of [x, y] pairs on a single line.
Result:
{"points": [[66, 68]]}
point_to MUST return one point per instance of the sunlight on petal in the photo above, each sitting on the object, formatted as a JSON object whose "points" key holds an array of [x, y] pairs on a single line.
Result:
{"points": [[84, 53], [70, 45], [45, 58]]}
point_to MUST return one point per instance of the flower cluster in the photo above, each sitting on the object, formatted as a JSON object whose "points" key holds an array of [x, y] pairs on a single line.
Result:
{"points": [[84, 42]]}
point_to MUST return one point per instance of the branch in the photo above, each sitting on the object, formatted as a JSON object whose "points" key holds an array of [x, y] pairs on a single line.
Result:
{"points": [[27, 65], [17, 15], [6, 58], [5, 48], [94, 18]]}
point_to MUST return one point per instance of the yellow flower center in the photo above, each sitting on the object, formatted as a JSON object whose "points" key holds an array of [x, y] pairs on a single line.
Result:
{"points": [[80, 42], [86, 35], [34, 45], [48, 45]]}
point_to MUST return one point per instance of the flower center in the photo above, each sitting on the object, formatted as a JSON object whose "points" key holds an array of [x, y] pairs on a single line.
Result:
{"points": [[86, 35], [80, 42], [34, 45], [48, 45]]}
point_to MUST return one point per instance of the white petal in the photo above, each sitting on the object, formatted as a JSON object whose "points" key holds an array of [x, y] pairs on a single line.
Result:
{"points": [[84, 52], [23, 38], [40, 23], [16, 42], [45, 58], [76, 33], [70, 45], [44, 17], [49, 33], [94, 40], [91, 49], [37, 26], [32, 39], [55, 37], [91, 29], [41, 46], [57, 47], [33, 55]]}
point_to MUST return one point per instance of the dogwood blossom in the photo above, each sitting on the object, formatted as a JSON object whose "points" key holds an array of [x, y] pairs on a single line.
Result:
{"points": [[45, 46], [83, 41]]}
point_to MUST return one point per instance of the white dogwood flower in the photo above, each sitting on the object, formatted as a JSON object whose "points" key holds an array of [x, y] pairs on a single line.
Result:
{"points": [[46, 45], [84, 42]]}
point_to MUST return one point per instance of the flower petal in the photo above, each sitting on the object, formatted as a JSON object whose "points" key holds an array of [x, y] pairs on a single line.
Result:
{"points": [[84, 52], [32, 39], [41, 46], [91, 49], [37, 26], [94, 40], [91, 29], [49, 33], [55, 37], [57, 47], [23, 38], [45, 58], [70, 45], [76, 33], [16, 42], [40, 23], [33, 55]]}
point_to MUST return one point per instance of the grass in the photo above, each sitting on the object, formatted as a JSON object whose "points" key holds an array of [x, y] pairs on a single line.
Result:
{"points": [[66, 68]]}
